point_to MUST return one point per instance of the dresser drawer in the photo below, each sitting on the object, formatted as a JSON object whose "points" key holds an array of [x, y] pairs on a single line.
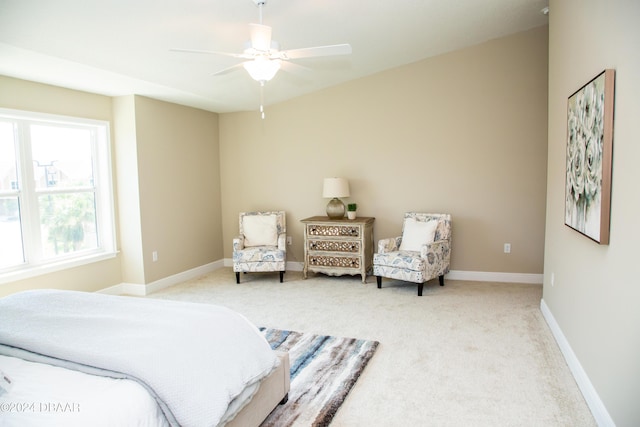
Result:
{"points": [[352, 246], [334, 261], [331, 230]]}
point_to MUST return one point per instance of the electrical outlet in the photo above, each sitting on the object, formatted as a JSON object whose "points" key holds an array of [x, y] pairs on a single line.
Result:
{"points": [[289, 240], [507, 248], [553, 279], [154, 256]]}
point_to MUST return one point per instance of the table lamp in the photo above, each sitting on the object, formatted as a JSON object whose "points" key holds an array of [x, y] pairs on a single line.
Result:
{"points": [[334, 188]]}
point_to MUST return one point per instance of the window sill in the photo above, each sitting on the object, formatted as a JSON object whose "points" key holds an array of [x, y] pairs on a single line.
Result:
{"points": [[29, 272]]}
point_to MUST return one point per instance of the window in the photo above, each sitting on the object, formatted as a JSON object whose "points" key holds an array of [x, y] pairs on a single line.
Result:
{"points": [[56, 203]]}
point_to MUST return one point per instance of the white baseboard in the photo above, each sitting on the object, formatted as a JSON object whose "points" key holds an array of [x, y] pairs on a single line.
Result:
{"points": [[184, 276], [142, 290], [477, 276], [295, 266], [599, 411], [125, 289], [491, 276]]}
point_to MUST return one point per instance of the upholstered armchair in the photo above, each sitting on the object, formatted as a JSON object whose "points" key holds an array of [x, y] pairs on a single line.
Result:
{"points": [[422, 252], [261, 245]]}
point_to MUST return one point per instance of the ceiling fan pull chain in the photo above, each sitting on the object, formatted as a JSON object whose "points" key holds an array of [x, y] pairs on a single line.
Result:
{"points": [[262, 99]]}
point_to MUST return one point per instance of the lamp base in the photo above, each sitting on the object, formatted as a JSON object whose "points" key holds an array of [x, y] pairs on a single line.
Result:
{"points": [[335, 209]]}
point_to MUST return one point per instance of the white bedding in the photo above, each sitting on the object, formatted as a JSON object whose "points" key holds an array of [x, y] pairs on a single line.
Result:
{"points": [[194, 359], [45, 395]]}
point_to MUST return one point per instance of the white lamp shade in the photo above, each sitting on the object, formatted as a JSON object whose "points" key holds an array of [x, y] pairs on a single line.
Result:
{"points": [[335, 187], [262, 69]]}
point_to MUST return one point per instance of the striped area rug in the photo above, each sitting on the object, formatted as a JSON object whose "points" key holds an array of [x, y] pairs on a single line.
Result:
{"points": [[323, 371]]}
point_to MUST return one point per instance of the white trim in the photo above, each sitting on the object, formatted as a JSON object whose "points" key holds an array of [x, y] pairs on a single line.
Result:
{"points": [[183, 277], [140, 290], [52, 267], [477, 276], [599, 411], [125, 289], [295, 266], [490, 276]]}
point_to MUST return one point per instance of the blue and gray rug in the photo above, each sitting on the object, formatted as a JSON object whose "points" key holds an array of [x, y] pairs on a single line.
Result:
{"points": [[323, 371]]}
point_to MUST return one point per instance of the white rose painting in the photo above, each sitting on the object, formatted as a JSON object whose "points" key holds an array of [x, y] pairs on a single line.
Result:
{"points": [[589, 149]]}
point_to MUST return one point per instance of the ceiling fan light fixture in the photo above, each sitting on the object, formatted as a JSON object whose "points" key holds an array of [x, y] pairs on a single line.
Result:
{"points": [[262, 69]]}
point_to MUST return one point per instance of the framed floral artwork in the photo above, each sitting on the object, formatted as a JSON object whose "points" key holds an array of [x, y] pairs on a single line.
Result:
{"points": [[588, 162]]}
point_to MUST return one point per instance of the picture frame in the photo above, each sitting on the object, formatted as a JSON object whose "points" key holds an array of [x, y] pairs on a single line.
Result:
{"points": [[589, 157]]}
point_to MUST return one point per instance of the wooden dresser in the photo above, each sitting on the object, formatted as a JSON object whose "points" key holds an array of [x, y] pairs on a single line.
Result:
{"points": [[338, 246]]}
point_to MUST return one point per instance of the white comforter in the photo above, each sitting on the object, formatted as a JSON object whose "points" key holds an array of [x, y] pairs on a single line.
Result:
{"points": [[193, 358], [45, 395]]}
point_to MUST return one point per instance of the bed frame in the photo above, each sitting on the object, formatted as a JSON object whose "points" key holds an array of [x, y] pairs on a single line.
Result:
{"points": [[273, 390]]}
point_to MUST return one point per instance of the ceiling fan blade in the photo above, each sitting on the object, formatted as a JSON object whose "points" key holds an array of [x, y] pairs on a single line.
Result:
{"points": [[211, 52], [260, 37], [310, 52], [227, 70]]}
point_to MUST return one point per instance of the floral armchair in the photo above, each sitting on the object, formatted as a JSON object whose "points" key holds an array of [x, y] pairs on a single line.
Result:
{"points": [[422, 253], [261, 245]]}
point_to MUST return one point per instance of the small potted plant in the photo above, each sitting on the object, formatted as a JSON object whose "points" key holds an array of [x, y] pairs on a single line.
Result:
{"points": [[351, 210]]}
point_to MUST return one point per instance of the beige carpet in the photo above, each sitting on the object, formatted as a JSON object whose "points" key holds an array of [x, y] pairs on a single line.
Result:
{"points": [[466, 354]]}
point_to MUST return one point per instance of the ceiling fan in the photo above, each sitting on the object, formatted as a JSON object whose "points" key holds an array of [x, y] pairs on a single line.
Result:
{"points": [[263, 55]]}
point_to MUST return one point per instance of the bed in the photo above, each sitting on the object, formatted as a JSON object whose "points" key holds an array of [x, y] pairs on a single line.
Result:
{"points": [[76, 358]]}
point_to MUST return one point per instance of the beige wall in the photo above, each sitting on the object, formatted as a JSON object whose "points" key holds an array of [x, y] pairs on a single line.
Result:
{"points": [[30, 96], [179, 185], [24, 95], [596, 289], [463, 133], [168, 175]]}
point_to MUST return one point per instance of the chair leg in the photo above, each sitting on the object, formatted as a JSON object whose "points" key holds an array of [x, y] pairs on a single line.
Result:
{"points": [[379, 280], [441, 280], [285, 399], [237, 277], [281, 276], [420, 286]]}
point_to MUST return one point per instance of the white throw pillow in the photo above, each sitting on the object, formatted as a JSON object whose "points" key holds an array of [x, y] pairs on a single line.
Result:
{"points": [[260, 230], [417, 233]]}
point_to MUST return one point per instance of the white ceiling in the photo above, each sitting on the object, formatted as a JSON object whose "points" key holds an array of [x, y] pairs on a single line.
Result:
{"points": [[121, 47]]}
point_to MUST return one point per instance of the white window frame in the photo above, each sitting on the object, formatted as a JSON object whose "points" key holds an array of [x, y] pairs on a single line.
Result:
{"points": [[34, 264]]}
